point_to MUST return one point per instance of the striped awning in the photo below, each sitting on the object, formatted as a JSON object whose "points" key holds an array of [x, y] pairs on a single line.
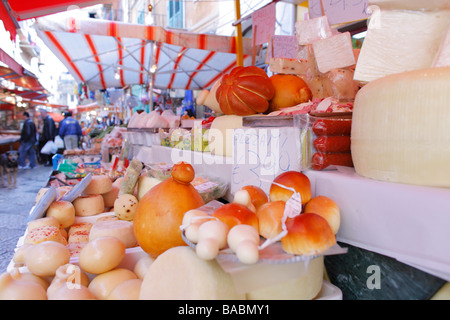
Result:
{"points": [[105, 54]]}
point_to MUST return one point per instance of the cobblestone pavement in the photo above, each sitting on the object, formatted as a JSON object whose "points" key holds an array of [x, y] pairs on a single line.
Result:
{"points": [[15, 205]]}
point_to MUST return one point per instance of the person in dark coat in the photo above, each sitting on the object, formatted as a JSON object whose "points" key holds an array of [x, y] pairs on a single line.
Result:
{"points": [[48, 133], [27, 142]]}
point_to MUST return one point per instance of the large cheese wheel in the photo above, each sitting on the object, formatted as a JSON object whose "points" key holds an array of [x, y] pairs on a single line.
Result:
{"points": [[120, 229], [89, 205], [400, 128], [305, 287], [179, 274]]}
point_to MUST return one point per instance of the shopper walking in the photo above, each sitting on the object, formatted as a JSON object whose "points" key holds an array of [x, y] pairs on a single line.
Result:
{"points": [[70, 131], [48, 134], [27, 142]]}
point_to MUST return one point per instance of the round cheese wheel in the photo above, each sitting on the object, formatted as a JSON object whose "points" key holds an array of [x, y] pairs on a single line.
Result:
{"points": [[111, 196], [88, 205], [79, 236], [45, 233], [400, 128], [120, 229], [63, 211], [180, 275], [99, 184], [46, 221], [79, 227]]}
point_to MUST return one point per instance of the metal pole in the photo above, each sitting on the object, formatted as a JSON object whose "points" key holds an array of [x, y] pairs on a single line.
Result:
{"points": [[239, 54]]}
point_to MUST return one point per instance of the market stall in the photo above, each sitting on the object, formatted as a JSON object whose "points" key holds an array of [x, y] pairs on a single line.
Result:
{"points": [[332, 163]]}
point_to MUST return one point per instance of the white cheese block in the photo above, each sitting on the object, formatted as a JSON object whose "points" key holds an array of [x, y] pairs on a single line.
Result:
{"points": [[400, 128], [334, 52], [308, 31], [442, 58], [120, 229], [178, 274], [288, 66], [399, 41]]}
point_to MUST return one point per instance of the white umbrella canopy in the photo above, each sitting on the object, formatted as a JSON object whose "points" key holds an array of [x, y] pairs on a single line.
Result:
{"points": [[105, 54]]}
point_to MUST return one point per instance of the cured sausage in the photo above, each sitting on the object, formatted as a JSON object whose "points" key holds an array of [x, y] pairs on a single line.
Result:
{"points": [[332, 144], [332, 127], [320, 161]]}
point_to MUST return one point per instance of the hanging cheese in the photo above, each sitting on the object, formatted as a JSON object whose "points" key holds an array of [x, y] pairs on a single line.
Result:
{"points": [[400, 128], [399, 41], [334, 52]]}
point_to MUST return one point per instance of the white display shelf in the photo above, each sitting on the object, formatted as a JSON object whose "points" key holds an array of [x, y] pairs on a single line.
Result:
{"points": [[406, 222]]}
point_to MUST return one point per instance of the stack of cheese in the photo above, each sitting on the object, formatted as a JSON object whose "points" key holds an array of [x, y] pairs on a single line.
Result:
{"points": [[325, 60], [401, 116]]}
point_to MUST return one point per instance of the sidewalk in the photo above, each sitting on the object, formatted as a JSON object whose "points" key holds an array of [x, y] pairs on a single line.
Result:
{"points": [[15, 205]]}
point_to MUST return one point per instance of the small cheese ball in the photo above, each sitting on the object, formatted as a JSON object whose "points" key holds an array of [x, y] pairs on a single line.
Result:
{"points": [[125, 206], [45, 258], [101, 255]]}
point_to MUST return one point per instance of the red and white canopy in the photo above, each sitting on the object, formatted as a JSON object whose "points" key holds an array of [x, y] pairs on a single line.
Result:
{"points": [[105, 54]]}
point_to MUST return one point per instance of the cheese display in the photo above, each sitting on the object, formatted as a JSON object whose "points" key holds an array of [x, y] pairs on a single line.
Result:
{"points": [[411, 108], [414, 44]]}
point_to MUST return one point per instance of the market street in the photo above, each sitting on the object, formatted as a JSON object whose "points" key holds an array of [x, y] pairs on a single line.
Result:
{"points": [[15, 205]]}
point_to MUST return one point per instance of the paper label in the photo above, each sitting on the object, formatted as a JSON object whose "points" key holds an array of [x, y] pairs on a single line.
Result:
{"points": [[264, 21]]}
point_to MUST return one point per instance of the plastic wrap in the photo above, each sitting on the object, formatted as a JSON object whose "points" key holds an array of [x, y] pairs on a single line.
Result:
{"points": [[325, 140], [210, 188], [308, 31]]}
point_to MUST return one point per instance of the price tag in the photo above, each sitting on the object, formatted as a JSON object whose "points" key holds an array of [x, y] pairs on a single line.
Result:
{"points": [[264, 21], [339, 11], [282, 47], [293, 206], [292, 209]]}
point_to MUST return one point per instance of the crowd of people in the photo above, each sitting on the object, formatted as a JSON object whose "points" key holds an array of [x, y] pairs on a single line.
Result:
{"points": [[69, 129]]}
